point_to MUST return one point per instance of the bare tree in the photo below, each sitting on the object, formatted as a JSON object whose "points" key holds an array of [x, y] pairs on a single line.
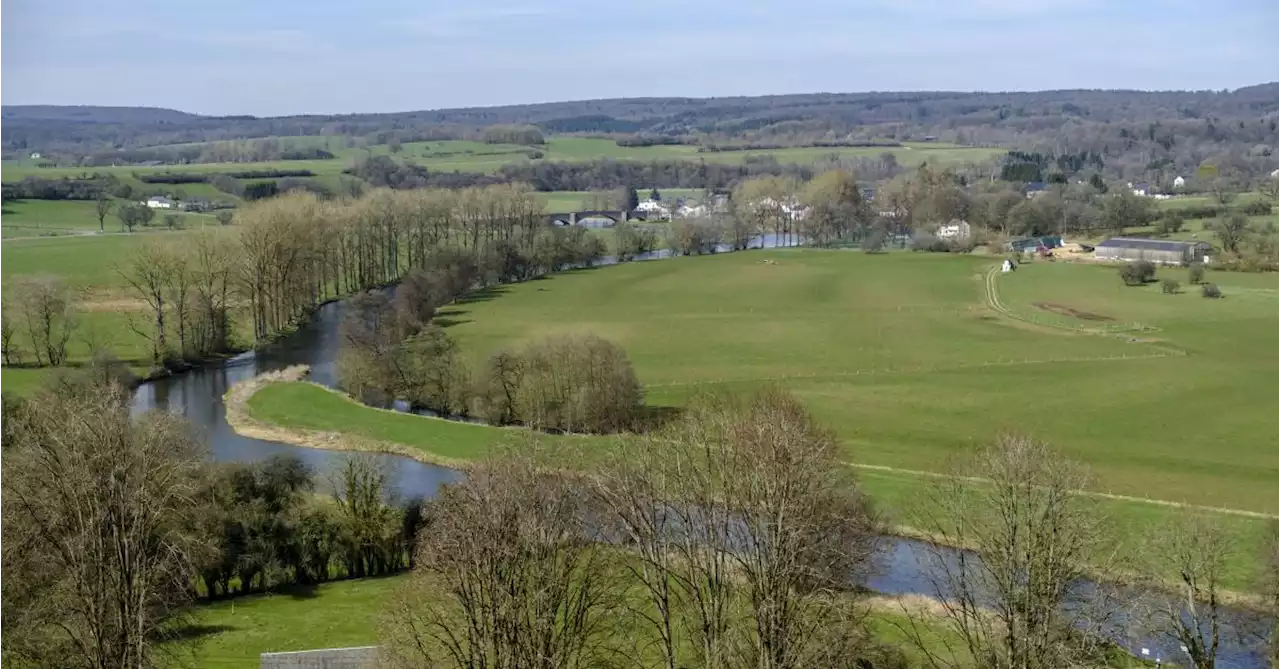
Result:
{"points": [[103, 209], [7, 331], [95, 548], [1269, 189], [513, 575], [805, 535], [49, 314], [746, 535], [1192, 554], [213, 263], [1012, 601], [150, 273]]}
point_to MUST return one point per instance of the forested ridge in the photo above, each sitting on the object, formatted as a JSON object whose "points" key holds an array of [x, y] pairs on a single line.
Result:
{"points": [[1132, 131]]}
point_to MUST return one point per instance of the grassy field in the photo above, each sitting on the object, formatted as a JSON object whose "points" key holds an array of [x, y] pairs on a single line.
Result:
{"points": [[107, 308], [232, 634], [465, 156], [32, 218], [898, 354]]}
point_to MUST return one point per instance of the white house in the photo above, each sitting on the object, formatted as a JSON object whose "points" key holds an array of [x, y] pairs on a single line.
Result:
{"points": [[1179, 182], [653, 208], [160, 202], [35, 155], [956, 229], [691, 211], [793, 209]]}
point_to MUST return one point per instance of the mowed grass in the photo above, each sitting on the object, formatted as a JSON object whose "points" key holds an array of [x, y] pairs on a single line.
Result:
{"points": [[899, 356], [232, 634], [304, 405]]}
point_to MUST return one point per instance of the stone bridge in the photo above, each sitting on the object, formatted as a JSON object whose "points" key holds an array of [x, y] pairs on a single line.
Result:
{"points": [[615, 215]]}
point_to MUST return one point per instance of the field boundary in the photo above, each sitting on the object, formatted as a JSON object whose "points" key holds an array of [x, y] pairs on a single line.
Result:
{"points": [[1243, 513], [991, 295], [242, 423]]}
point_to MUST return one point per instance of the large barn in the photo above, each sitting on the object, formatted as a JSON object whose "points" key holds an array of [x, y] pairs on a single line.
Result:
{"points": [[1160, 251]]}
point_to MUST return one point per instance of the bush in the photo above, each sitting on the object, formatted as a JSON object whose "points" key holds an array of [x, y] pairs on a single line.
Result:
{"points": [[873, 242], [1195, 275], [1210, 291], [1256, 208], [1170, 287], [1138, 272], [574, 383], [1170, 223]]}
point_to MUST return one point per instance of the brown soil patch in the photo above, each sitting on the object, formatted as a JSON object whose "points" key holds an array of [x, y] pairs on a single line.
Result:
{"points": [[1071, 311]]}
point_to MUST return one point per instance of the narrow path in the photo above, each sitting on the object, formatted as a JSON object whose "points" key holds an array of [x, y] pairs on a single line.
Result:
{"points": [[991, 295], [237, 416], [1088, 493]]}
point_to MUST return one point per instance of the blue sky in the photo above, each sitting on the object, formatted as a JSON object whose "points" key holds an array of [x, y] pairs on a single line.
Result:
{"points": [[272, 57]]}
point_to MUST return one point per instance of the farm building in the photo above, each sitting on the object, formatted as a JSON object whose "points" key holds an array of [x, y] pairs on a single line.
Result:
{"points": [[160, 202], [1029, 244], [1161, 251]]}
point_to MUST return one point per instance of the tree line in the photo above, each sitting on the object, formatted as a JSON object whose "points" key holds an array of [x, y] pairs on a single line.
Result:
{"points": [[114, 525], [735, 536]]}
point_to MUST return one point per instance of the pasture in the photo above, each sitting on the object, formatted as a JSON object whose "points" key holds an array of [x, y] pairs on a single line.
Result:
{"points": [[107, 309], [900, 355], [467, 156]]}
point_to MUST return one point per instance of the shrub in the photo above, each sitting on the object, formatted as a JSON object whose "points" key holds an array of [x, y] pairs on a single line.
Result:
{"points": [[1256, 208], [923, 240], [575, 383], [1138, 272], [1170, 286], [1170, 223], [1210, 291], [1195, 275], [873, 242]]}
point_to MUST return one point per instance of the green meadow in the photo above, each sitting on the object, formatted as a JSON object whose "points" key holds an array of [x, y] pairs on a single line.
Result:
{"points": [[467, 156], [899, 354], [232, 634], [902, 356]]}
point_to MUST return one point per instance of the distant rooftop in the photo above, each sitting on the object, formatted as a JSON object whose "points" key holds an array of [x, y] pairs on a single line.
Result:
{"points": [[1148, 244]]}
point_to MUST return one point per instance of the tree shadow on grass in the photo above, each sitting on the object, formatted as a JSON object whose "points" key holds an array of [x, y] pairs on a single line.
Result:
{"points": [[194, 632], [653, 418], [298, 591], [483, 295]]}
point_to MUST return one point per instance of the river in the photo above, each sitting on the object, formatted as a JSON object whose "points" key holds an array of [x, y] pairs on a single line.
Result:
{"points": [[902, 565]]}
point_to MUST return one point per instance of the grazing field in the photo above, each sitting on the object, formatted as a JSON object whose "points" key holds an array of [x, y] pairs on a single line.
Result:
{"points": [[33, 218], [107, 309], [900, 355], [466, 156]]}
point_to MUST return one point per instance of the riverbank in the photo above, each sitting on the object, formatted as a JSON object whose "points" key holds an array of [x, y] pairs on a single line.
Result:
{"points": [[243, 423], [306, 414]]}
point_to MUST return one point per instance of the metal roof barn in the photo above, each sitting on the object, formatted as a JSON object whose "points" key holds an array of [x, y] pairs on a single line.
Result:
{"points": [[1162, 251]]}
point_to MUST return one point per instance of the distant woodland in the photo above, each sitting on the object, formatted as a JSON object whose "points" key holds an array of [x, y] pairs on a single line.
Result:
{"points": [[1122, 134]]}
